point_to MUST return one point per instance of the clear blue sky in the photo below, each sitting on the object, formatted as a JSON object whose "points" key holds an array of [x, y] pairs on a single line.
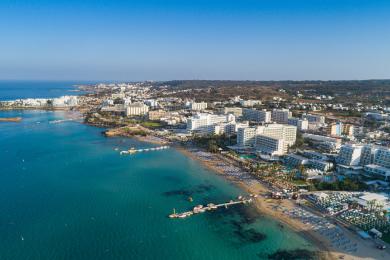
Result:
{"points": [[220, 39]]}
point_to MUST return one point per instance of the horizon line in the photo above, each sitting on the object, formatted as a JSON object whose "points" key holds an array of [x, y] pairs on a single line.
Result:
{"points": [[167, 80]]}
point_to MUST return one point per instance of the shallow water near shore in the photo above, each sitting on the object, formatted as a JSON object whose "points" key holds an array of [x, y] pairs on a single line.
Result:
{"points": [[65, 193]]}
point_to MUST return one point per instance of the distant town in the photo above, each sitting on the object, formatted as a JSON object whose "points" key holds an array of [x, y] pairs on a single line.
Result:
{"points": [[322, 145]]}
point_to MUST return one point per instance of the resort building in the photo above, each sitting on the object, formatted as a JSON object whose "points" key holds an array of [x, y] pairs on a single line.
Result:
{"points": [[286, 132], [321, 165], [340, 129], [316, 119], [137, 109], [295, 160], [376, 161], [65, 101], [281, 116], [377, 171], [250, 103], [246, 137], [156, 114], [335, 129], [315, 155], [151, 103], [118, 96], [270, 145], [259, 116], [325, 143], [198, 106], [301, 124], [271, 139], [205, 123], [350, 155], [236, 111]]}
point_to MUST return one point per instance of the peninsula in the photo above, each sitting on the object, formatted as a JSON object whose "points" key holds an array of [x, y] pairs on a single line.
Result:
{"points": [[10, 119]]}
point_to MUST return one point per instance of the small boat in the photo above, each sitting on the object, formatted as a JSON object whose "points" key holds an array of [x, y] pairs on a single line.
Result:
{"points": [[173, 215], [190, 199]]}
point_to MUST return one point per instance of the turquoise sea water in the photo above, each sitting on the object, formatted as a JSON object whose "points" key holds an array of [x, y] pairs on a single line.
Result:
{"points": [[65, 193]]}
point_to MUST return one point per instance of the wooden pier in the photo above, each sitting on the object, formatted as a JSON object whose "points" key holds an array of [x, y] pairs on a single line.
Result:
{"points": [[209, 207], [133, 150]]}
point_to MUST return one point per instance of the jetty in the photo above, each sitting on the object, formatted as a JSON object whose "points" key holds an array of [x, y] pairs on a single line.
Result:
{"points": [[133, 150], [211, 206]]}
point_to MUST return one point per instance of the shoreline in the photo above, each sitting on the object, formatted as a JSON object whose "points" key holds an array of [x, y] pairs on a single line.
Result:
{"points": [[260, 201], [250, 184], [271, 208]]}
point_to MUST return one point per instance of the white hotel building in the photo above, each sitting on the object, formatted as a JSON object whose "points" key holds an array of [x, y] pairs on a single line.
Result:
{"points": [[281, 116], [375, 160], [301, 124], [198, 106], [137, 109], [260, 116], [350, 155], [270, 145], [246, 136], [272, 139], [203, 123]]}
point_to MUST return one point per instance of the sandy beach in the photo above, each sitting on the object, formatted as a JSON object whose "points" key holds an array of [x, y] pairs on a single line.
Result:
{"points": [[151, 139], [332, 241], [10, 119]]}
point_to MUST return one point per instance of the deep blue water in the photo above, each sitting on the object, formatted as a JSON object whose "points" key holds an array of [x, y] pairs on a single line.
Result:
{"points": [[10, 90]]}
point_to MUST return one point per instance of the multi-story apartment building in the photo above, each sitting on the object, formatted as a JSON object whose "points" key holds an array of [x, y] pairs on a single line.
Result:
{"points": [[236, 111], [301, 124], [198, 106], [295, 160], [232, 128], [317, 119], [205, 123], [259, 116], [156, 114], [349, 155], [250, 103], [246, 136], [279, 131], [136, 109], [325, 143], [268, 137], [335, 129], [318, 164], [339, 129], [270, 145], [281, 116], [376, 161]]}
